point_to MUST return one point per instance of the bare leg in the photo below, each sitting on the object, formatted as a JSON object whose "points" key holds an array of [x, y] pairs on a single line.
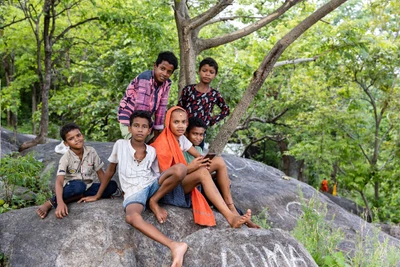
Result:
{"points": [[202, 176], [218, 165], [134, 218], [224, 183], [168, 181]]}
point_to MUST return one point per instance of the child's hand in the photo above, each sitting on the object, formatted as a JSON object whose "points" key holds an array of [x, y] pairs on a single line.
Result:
{"points": [[88, 199], [207, 162], [61, 210], [199, 162]]}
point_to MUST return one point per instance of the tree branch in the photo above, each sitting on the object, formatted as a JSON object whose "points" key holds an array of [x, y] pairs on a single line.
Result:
{"points": [[272, 120], [12, 22], [214, 42], [365, 154], [209, 14], [73, 26], [67, 8], [295, 61], [216, 20], [270, 137]]}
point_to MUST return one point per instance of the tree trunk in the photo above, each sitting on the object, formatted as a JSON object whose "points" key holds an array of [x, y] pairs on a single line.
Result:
{"points": [[8, 65], [283, 147], [48, 29], [369, 216], [187, 47], [34, 107], [264, 70]]}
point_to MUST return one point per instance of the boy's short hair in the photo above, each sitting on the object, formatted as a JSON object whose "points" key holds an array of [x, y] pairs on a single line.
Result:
{"points": [[210, 62], [169, 57], [141, 114], [67, 128], [196, 122]]}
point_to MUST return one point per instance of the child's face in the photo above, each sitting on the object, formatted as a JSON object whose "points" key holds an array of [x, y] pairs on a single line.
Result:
{"points": [[74, 139], [207, 74], [196, 135], [139, 129], [163, 71], [178, 123]]}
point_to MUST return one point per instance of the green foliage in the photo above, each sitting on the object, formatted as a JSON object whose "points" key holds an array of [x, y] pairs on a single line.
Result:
{"points": [[372, 252], [321, 240], [262, 219], [317, 235], [344, 111], [3, 260], [22, 171]]}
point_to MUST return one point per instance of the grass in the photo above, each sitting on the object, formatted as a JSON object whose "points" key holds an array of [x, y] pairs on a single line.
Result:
{"points": [[321, 239]]}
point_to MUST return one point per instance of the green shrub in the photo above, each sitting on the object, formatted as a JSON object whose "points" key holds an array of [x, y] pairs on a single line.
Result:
{"points": [[3, 260], [370, 252], [23, 171], [262, 219], [321, 240], [316, 234]]}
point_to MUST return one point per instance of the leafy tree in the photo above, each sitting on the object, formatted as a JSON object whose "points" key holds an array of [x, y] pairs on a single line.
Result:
{"points": [[351, 128], [191, 45]]}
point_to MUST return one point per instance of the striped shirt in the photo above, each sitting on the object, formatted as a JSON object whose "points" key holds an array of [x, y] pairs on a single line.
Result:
{"points": [[143, 93]]}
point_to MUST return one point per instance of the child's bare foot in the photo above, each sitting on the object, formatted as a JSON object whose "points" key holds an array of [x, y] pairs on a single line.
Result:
{"points": [[232, 207], [178, 250], [238, 221], [160, 213], [251, 224], [43, 209]]}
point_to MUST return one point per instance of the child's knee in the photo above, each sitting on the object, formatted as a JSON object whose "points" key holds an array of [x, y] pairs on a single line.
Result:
{"points": [[180, 170], [74, 188], [133, 219], [219, 161], [204, 173]]}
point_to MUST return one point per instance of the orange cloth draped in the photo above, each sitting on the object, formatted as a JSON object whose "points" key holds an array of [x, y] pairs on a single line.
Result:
{"points": [[324, 186], [168, 154]]}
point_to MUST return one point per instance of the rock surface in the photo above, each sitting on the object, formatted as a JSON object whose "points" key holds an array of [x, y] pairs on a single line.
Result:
{"points": [[95, 234]]}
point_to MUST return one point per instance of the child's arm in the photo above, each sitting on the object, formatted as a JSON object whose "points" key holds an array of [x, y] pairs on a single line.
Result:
{"points": [[194, 152], [224, 110], [198, 162], [104, 178], [62, 209]]}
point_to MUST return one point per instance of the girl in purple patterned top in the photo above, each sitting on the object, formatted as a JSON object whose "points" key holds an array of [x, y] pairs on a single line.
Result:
{"points": [[199, 99]]}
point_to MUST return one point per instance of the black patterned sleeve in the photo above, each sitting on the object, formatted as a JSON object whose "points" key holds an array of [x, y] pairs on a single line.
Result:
{"points": [[220, 101], [182, 101]]}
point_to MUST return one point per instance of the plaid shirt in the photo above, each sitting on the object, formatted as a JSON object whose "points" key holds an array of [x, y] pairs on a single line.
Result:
{"points": [[143, 93]]}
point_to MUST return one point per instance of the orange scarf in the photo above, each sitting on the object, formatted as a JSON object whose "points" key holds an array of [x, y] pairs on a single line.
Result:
{"points": [[168, 154]]}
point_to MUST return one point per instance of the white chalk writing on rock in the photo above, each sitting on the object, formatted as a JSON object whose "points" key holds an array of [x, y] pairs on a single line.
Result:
{"points": [[281, 256]]}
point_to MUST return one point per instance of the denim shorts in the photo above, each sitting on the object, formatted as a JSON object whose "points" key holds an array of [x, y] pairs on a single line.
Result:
{"points": [[141, 197]]}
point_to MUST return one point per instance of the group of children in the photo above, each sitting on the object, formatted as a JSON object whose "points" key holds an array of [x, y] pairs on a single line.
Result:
{"points": [[171, 170]]}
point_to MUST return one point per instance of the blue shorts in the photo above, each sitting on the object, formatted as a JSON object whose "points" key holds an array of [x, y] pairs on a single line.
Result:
{"points": [[141, 197]]}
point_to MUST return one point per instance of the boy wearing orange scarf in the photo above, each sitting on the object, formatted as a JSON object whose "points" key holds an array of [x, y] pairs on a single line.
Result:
{"points": [[169, 146]]}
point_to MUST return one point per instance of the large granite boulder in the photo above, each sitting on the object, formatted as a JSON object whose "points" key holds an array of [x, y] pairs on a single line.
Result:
{"points": [[95, 234]]}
